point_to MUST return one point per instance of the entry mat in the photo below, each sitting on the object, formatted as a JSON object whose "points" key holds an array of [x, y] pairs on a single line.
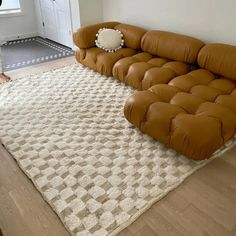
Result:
{"points": [[26, 52]]}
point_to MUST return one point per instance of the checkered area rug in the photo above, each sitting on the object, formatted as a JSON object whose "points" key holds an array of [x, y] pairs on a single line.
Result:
{"points": [[66, 130], [30, 51]]}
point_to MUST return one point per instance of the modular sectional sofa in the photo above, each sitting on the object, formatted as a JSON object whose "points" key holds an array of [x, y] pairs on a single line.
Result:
{"points": [[188, 97]]}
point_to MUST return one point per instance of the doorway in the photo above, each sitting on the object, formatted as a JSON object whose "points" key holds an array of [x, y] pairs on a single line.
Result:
{"points": [[56, 17]]}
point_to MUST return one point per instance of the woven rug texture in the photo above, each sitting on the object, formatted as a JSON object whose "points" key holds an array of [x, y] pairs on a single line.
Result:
{"points": [[67, 132]]}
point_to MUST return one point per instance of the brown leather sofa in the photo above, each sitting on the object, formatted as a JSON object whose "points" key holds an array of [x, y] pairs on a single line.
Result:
{"points": [[189, 109], [194, 113]]}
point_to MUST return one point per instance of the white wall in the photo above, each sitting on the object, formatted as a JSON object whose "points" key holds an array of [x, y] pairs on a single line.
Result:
{"points": [[90, 11], [12, 27], [209, 20]]}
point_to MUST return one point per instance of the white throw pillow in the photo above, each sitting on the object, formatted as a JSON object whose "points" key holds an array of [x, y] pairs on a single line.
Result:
{"points": [[109, 39]]}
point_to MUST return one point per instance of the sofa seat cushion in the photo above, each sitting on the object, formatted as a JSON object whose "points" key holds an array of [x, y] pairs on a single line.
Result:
{"points": [[194, 113], [144, 70], [101, 61]]}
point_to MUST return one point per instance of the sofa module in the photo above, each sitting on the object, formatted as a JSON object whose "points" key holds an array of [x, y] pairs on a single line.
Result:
{"points": [[164, 56], [98, 59], [193, 113]]}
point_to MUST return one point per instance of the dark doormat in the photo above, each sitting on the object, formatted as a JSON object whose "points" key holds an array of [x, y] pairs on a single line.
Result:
{"points": [[25, 52]]}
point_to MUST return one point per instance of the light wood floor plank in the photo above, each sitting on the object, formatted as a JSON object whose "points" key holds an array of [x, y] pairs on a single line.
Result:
{"points": [[23, 211], [198, 217]]}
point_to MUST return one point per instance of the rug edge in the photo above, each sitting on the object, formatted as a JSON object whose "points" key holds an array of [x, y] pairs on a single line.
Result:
{"points": [[216, 155], [138, 214]]}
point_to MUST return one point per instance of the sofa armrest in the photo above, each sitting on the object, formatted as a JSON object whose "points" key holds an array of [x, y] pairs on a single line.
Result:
{"points": [[85, 36]]}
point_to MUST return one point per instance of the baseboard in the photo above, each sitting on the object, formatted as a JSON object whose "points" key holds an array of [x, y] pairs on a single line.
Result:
{"points": [[18, 36]]}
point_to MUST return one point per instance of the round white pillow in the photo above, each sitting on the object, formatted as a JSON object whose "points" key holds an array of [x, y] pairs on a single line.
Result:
{"points": [[109, 39]]}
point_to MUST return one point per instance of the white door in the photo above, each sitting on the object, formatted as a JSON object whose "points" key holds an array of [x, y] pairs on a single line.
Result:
{"points": [[57, 21], [49, 20], [63, 18]]}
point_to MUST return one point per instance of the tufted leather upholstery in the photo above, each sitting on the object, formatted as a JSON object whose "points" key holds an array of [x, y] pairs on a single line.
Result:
{"points": [[99, 60], [189, 109], [208, 58], [165, 55], [193, 113], [132, 35], [85, 36], [172, 46], [143, 70]]}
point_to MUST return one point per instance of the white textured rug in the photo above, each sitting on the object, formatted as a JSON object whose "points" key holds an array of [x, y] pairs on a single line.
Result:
{"points": [[67, 131]]}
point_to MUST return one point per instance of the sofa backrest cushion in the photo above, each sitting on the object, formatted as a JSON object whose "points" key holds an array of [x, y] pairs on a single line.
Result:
{"points": [[219, 59], [172, 46], [132, 35]]}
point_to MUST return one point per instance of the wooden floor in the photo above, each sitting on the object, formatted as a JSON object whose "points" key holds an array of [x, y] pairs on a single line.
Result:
{"points": [[35, 69], [205, 204]]}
